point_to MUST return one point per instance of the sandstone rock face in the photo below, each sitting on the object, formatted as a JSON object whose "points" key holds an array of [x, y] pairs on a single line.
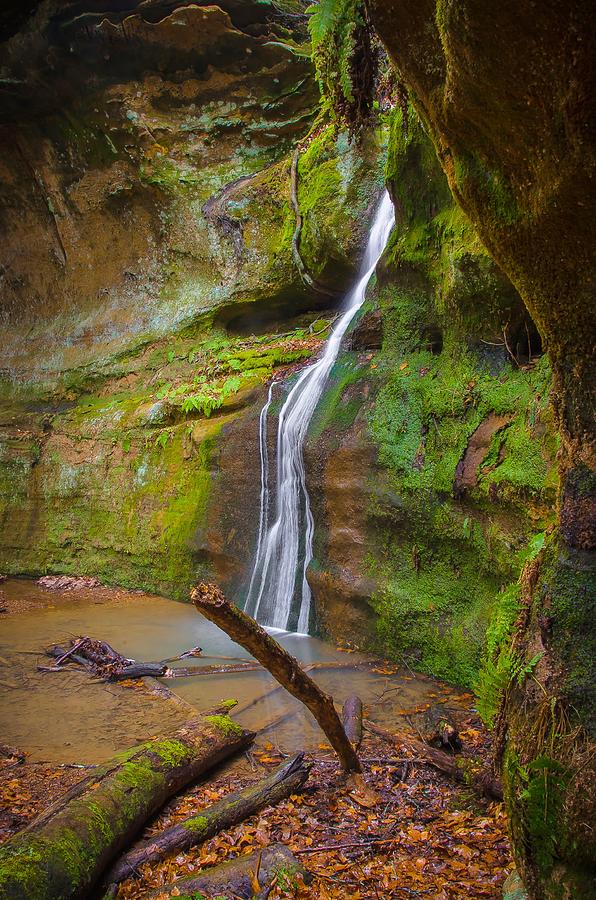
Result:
{"points": [[106, 175], [341, 473], [147, 276], [368, 333]]}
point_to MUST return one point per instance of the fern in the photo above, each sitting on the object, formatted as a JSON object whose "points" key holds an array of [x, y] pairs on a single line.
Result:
{"points": [[323, 17], [163, 439], [522, 670], [346, 58], [494, 680], [231, 385], [498, 674]]}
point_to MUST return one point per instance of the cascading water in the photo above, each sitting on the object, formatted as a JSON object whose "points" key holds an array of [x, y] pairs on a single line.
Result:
{"points": [[275, 573]]}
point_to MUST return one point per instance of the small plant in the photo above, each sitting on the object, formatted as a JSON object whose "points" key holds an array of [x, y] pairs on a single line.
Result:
{"points": [[497, 675], [210, 398], [522, 670], [162, 440]]}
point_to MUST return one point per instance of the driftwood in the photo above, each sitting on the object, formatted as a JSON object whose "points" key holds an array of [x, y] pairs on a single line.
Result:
{"points": [[210, 601], [466, 771], [351, 716], [252, 666], [237, 877], [231, 810], [101, 659], [64, 852]]}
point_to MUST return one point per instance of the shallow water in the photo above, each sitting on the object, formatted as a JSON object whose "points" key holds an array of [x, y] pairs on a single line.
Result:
{"points": [[65, 717]]}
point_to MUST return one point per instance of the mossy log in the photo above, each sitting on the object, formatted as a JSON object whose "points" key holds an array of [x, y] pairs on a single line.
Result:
{"points": [[285, 780], [64, 852], [465, 770], [236, 877], [210, 601]]}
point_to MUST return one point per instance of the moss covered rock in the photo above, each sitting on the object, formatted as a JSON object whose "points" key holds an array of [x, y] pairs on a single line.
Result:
{"points": [[439, 449], [506, 97]]}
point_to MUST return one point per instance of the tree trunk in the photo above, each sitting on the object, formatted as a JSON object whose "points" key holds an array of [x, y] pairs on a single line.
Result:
{"points": [[231, 810], [210, 601], [236, 877], [351, 716], [63, 853], [464, 770]]}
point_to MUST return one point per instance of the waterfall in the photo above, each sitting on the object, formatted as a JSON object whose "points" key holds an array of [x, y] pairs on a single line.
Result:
{"points": [[275, 573]]}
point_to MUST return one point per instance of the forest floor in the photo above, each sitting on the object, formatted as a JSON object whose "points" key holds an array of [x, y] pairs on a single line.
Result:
{"points": [[421, 837], [412, 834]]}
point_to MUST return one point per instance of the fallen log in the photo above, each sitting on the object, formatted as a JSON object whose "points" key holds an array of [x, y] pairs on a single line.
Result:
{"points": [[101, 659], [210, 601], [140, 670], [351, 716], [237, 877], [262, 698], [64, 852], [110, 669], [461, 769], [285, 780]]}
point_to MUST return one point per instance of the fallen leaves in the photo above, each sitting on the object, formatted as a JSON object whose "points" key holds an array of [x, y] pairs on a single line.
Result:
{"points": [[380, 837], [402, 831]]}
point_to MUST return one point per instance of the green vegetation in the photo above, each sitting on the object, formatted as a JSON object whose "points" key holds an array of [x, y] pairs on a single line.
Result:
{"points": [[144, 453], [345, 61], [430, 405], [225, 724], [447, 551]]}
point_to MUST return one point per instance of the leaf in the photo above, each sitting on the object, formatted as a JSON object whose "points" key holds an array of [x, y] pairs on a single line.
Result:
{"points": [[301, 50]]}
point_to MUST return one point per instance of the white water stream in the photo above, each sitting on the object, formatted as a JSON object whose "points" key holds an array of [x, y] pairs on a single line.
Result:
{"points": [[276, 576]]}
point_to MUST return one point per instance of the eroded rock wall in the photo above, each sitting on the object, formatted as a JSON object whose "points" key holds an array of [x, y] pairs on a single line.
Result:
{"points": [[438, 436], [506, 93], [148, 285]]}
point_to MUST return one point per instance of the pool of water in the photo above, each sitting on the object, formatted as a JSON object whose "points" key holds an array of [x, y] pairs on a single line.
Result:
{"points": [[71, 717]]}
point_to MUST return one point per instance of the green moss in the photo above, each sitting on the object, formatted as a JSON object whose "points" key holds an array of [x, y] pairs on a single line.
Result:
{"points": [[224, 724], [336, 180], [172, 752], [195, 824], [567, 603], [472, 176], [429, 406], [436, 618], [169, 176], [286, 878], [336, 410], [229, 704]]}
